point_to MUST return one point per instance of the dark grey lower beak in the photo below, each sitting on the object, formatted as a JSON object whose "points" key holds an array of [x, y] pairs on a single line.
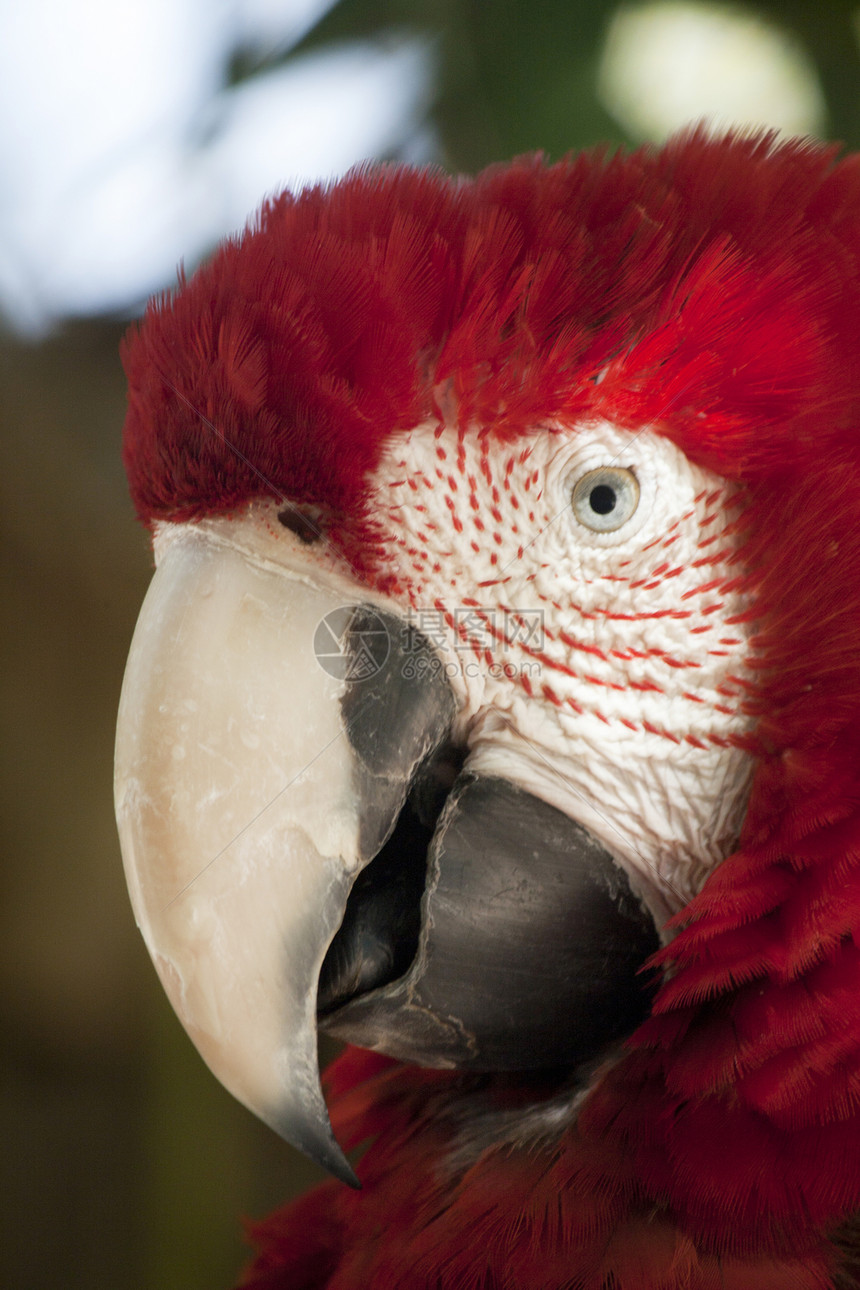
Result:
{"points": [[512, 943]]}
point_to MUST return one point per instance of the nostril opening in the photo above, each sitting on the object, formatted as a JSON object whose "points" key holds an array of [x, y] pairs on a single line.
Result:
{"points": [[306, 529]]}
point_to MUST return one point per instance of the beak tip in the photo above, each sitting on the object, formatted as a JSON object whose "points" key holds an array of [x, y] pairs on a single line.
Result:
{"points": [[332, 1159], [309, 1131], [329, 1155]]}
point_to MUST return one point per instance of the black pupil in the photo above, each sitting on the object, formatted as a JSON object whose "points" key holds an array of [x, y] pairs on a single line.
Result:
{"points": [[602, 499]]}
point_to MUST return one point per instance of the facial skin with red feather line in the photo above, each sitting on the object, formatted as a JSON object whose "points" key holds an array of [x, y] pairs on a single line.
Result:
{"points": [[637, 641]]}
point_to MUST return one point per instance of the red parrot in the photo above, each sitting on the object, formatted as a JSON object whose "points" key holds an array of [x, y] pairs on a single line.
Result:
{"points": [[495, 708]]}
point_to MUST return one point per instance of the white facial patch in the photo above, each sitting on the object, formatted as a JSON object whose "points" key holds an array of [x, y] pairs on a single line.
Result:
{"points": [[582, 588]]}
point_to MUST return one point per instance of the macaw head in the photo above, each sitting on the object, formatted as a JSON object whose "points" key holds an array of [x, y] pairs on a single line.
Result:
{"points": [[498, 689]]}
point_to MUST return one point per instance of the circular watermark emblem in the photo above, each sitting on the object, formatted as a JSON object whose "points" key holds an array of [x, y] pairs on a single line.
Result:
{"points": [[352, 643]]}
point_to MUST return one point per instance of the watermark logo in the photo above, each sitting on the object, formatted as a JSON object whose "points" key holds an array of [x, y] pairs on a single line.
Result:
{"points": [[466, 629], [352, 643]]}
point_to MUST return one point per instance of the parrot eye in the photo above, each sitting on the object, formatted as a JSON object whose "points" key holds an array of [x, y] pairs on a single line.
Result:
{"points": [[605, 498]]}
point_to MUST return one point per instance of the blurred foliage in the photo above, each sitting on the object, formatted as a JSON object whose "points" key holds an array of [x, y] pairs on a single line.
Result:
{"points": [[516, 77], [125, 1166], [513, 77], [829, 34]]}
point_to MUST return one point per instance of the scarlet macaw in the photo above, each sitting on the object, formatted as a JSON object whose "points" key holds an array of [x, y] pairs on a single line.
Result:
{"points": [[558, 468]]}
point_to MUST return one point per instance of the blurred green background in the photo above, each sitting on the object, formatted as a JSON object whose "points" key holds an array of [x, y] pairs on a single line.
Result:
{"points": [[124, 1164]]}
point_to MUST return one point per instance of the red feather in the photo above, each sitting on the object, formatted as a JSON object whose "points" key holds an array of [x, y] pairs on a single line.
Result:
{"points": [[713, 284]]}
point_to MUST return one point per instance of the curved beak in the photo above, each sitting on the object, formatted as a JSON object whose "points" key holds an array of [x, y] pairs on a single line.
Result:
{"points": [[245, 812], [302, 841]]}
